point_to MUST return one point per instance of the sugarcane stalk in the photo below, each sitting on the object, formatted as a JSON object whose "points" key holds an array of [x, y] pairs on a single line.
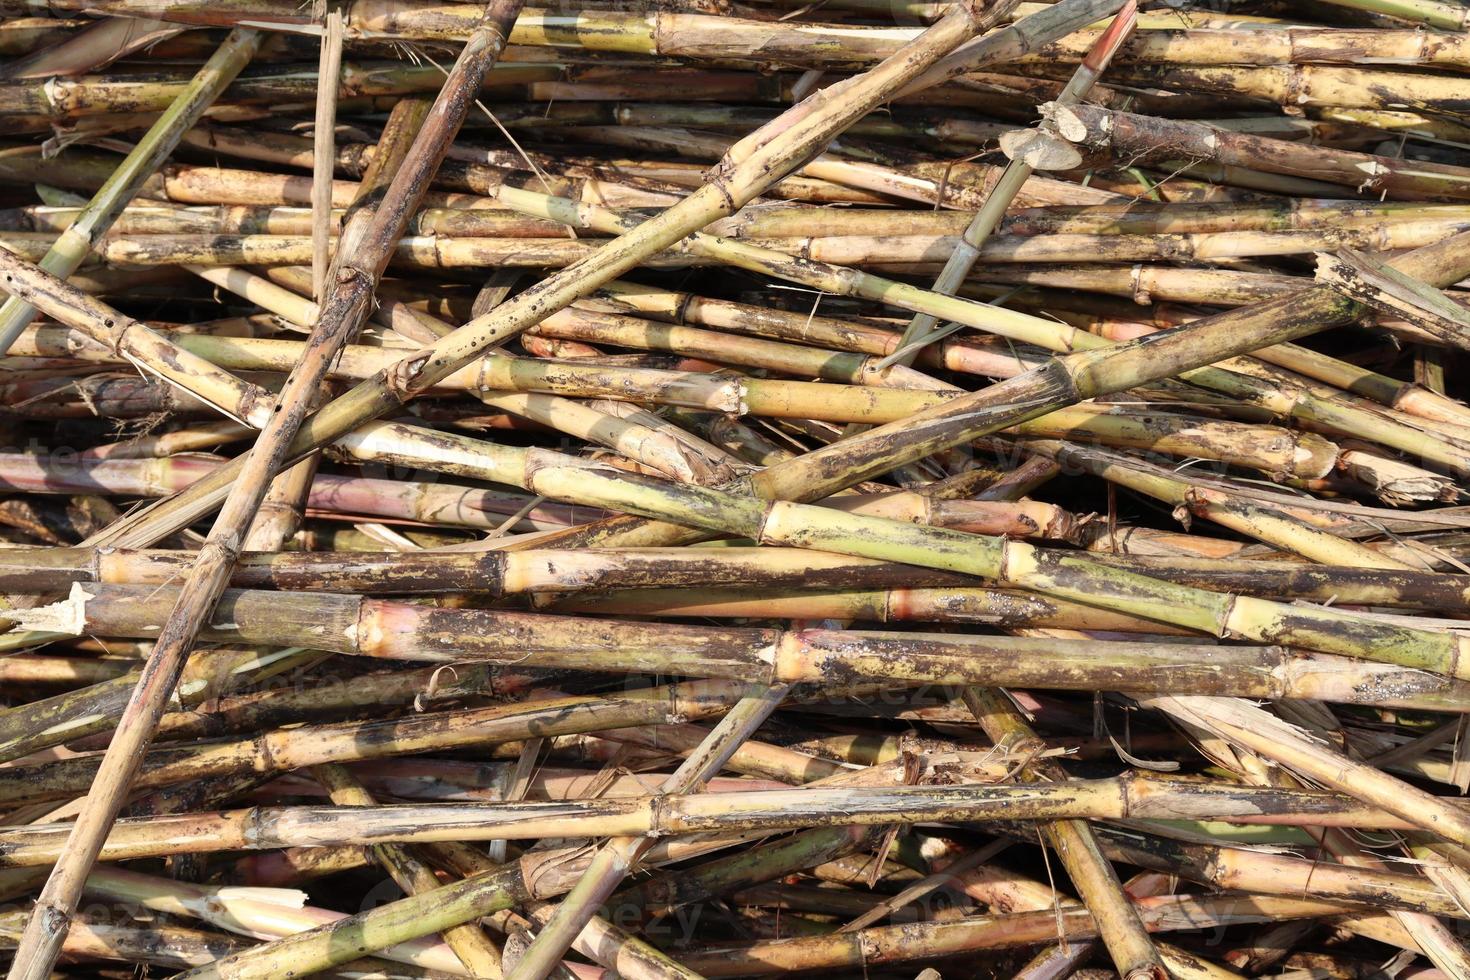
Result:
{"points": [[754, 811], [901, 252], [172, 947], [83, 234], [325, 153], [1240, 869], [921, 942], [1141, 137], [328, 494], [402, 631], [1272, 525], [95, 46], [921, 328], [783, 571], [344, 741]]}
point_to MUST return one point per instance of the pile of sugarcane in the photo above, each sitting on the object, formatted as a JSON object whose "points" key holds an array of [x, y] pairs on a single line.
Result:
{"points": [[895, 488]]}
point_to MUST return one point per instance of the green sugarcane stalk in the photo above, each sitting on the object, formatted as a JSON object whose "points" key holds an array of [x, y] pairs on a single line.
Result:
{"points": [[84, 233], [920, 330]]}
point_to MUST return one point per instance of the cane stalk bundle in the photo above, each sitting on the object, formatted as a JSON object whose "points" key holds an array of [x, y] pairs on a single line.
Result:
{"points": [[920, 489]]}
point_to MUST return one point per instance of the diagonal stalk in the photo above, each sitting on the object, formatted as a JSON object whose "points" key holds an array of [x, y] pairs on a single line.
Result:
{"points": [[468, 941], [618, 856], [1118, 922]]}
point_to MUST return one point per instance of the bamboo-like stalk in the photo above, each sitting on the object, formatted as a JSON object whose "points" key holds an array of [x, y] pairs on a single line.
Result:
{"points": [[1274, 46], [921, 328], [782, 571], [136, 343], [1355, 87], [356, 740], [354, 280], [325, 153], [31, 727], [329, 494], [754, 811], [1245, 870], [901, 252], [1151, 139], [83, 234], [393, 630], [172, 947]]}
